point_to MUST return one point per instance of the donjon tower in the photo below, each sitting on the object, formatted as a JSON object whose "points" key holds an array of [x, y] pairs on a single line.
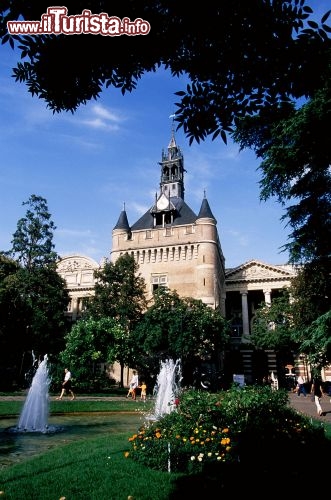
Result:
{"points": [[174, 247]]}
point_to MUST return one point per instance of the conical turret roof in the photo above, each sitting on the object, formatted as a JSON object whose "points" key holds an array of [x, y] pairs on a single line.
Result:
{"points": [[122, 222], [205, 211]]}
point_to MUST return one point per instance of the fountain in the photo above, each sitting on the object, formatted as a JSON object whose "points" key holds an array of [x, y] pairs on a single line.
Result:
{"points": [[168, 385], [34, 416]]}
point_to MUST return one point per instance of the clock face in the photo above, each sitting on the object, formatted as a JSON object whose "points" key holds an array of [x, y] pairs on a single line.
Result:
{"points": [[163, 203]]}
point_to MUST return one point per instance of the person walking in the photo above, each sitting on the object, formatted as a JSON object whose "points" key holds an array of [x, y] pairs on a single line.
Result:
{"points": [[143, 393], [66, 385], [301, 386], [317, 393], [134, 382]]}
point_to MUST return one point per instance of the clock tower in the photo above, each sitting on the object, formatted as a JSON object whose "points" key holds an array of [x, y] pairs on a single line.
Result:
{"points": [[174, 247], [172, 171], [171, 185]]}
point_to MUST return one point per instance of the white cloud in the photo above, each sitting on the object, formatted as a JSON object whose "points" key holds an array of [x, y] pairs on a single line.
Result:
{"points": [[99, 117], [98, 123], [103, 112]]}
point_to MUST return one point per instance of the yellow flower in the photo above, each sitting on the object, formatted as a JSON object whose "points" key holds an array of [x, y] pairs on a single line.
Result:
{"points": [[126, 454], [158, 435]]}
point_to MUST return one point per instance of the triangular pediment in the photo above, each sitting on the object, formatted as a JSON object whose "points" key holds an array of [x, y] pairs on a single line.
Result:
{"points": [[77, 271], [255, 269], [73, 263]]}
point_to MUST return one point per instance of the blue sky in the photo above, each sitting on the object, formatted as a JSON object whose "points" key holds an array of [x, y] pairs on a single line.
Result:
{"points": [[89, 164]]}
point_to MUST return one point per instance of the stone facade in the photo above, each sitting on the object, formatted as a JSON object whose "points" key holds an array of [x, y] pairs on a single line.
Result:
{"points": [[78, 272], [250, 284], [173, 246]]}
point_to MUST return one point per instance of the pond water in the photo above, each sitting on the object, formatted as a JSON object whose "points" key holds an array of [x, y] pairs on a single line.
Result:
{"points": [[18, 446]]}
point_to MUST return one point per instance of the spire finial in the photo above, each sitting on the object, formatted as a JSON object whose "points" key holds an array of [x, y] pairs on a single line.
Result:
{"points": [[173, 116]]}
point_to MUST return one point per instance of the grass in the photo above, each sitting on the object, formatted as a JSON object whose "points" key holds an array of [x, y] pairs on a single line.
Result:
{"points": [[96, 468], [12, 408]]}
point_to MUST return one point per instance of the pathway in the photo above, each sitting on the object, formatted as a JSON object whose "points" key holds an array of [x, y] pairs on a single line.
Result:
{"points": [[306, 406], [300, 403]]}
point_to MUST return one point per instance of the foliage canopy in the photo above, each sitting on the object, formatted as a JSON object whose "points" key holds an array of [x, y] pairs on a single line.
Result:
{"points": [[239, 57], [33, 297]]}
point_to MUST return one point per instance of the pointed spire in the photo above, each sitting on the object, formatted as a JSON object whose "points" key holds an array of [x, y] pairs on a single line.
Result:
{"points": [[172, 143], [123, 222], [205, 211]]}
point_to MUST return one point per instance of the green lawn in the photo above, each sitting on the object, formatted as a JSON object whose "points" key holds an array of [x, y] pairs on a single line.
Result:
{"points": [[92, 467], [81, 405], [95, 467]]}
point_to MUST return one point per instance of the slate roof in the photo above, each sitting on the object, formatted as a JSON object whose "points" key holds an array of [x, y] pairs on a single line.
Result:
{"points": [[205, 211], [122, 222], [182, 215]]}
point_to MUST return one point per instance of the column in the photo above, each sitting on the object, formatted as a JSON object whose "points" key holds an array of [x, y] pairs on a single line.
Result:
{"points": [[244, 310], [267, 296]]}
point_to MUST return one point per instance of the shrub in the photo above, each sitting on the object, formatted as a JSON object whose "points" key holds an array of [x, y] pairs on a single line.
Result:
{"points": [[243, 424], [177, 445]]}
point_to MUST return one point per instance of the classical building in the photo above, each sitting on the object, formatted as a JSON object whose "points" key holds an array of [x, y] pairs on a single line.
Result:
{"points": [[181, 250], [78, 272]]}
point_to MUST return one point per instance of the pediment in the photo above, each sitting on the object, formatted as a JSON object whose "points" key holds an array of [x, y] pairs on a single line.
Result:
{"points": [[74, 263], [257, 270], [77, 271]]}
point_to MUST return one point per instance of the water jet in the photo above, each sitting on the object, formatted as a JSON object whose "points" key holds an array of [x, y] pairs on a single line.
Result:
{"points": [[35, 412], [168, 386]]}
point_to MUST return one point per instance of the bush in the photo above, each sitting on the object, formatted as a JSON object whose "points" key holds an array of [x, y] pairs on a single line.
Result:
{"points": [[243, 424]]}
